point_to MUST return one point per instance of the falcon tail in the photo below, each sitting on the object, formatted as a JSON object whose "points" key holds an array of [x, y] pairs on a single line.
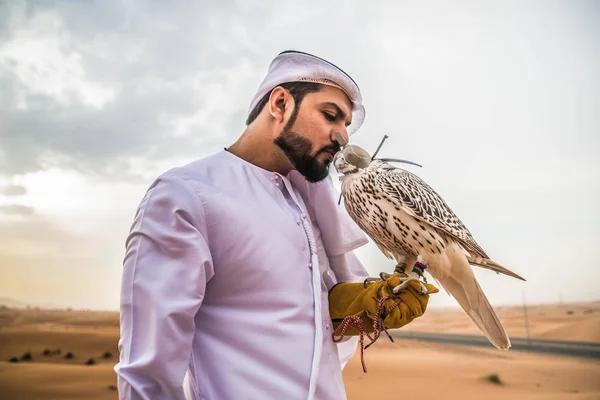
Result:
{"points": [[489, 264], [463, 286]]}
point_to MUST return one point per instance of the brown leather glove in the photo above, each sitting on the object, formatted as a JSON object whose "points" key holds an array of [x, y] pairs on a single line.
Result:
{"points": [[370, 308], [376, 306]]}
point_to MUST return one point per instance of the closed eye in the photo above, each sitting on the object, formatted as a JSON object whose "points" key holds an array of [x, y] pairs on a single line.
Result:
{"points": [[329, 117]]}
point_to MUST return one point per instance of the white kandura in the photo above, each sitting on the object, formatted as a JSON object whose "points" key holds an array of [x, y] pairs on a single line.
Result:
{"points": [[225, 285]]}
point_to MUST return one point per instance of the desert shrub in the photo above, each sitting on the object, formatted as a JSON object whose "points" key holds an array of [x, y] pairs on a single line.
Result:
{"points": [[47, 352], [570, 312], [494, 378], [56, 351], [107, 355], [91, 361], [112, 387], [26, 357], [69, 356], [14, 360]]}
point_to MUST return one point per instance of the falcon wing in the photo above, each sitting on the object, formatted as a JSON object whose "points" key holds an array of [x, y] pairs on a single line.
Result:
{"points": [[418, 199]]}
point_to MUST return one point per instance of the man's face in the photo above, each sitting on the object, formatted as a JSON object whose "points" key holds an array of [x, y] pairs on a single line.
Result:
{"points": [[309, 140]]}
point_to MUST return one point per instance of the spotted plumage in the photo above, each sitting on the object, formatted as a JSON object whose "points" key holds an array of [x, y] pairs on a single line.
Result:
{"points": [[409, 222]]}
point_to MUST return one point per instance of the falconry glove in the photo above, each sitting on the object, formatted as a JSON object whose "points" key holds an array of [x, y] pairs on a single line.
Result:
{"points": [[359, 309]]}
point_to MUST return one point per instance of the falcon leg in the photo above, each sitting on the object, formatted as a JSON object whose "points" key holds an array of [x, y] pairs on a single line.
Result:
{"points": [[416, 274]]}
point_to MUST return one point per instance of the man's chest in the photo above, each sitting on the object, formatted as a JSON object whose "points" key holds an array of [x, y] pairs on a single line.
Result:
{"points": [[262, 237]]}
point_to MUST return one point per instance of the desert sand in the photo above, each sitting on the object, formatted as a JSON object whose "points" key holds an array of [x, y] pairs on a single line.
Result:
{"points": [[405, 369]]}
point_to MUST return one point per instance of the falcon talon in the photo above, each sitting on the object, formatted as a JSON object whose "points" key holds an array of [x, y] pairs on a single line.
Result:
{"points": [[412, 277], [370, 280], [383, 274]]}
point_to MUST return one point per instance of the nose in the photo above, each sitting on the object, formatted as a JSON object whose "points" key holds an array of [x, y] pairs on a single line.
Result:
{"points": [[344, 137]]}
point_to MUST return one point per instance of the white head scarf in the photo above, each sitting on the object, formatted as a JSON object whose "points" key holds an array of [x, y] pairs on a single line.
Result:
{"points": [[297, 66]]}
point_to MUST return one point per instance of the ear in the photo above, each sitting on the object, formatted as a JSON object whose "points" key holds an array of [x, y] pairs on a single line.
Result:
{"points": [[281, 104]]}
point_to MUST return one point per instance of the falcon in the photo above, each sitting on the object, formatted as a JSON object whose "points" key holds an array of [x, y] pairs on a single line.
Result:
{"points": [[411, 223]]}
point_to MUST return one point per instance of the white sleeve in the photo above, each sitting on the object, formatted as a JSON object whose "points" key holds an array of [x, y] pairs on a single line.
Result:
{"points": [[346, 267], [166, 267]]}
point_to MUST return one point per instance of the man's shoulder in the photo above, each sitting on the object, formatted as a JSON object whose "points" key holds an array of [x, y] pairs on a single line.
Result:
{"points": [[198, 169], [203, 172]]}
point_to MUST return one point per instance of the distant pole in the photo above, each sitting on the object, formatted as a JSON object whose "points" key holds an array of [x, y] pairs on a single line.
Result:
{"points": [[526, 319]]}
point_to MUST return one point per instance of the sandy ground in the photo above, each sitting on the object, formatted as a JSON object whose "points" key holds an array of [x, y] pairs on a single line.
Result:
{"points": [[402, 370], [424, 371]]}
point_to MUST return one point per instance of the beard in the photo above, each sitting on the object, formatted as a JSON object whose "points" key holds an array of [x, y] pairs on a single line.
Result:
{"points": [[297, 149]]}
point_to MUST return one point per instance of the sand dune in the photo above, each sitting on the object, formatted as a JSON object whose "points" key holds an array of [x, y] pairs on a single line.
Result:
{"points": [[415, 370], [405, 369], [29, 381], [85, 334]]}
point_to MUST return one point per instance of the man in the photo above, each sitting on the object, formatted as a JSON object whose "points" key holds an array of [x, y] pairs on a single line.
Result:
{"points": [[230, 259]]}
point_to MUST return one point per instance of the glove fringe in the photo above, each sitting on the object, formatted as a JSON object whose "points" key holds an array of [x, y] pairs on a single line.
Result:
{"points": [[357, 322]]}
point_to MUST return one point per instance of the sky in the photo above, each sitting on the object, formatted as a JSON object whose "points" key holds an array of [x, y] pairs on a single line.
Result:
{"points": [[499, 101]]}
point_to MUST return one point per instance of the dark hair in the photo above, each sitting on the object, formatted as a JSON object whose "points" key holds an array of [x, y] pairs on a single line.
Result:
{"points": [[297, 89]]}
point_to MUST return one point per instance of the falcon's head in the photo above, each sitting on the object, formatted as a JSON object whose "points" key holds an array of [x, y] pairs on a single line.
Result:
{"points": [[351, 159]]}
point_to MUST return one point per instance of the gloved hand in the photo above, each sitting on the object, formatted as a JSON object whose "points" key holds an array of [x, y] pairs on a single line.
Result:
{"points": [[359, 308], [376, 305]]}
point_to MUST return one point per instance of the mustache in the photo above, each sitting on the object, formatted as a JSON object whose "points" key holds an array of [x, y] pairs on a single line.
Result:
{"points": [[335, 147]]}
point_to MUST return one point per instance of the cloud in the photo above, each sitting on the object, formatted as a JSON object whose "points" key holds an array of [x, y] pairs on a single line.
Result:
{"points": [[16, 209], [497, 102], [13, 190], [90, 85]]}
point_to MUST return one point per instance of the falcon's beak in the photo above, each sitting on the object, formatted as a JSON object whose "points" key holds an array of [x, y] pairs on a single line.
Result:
{"points": [[339, 162]]}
